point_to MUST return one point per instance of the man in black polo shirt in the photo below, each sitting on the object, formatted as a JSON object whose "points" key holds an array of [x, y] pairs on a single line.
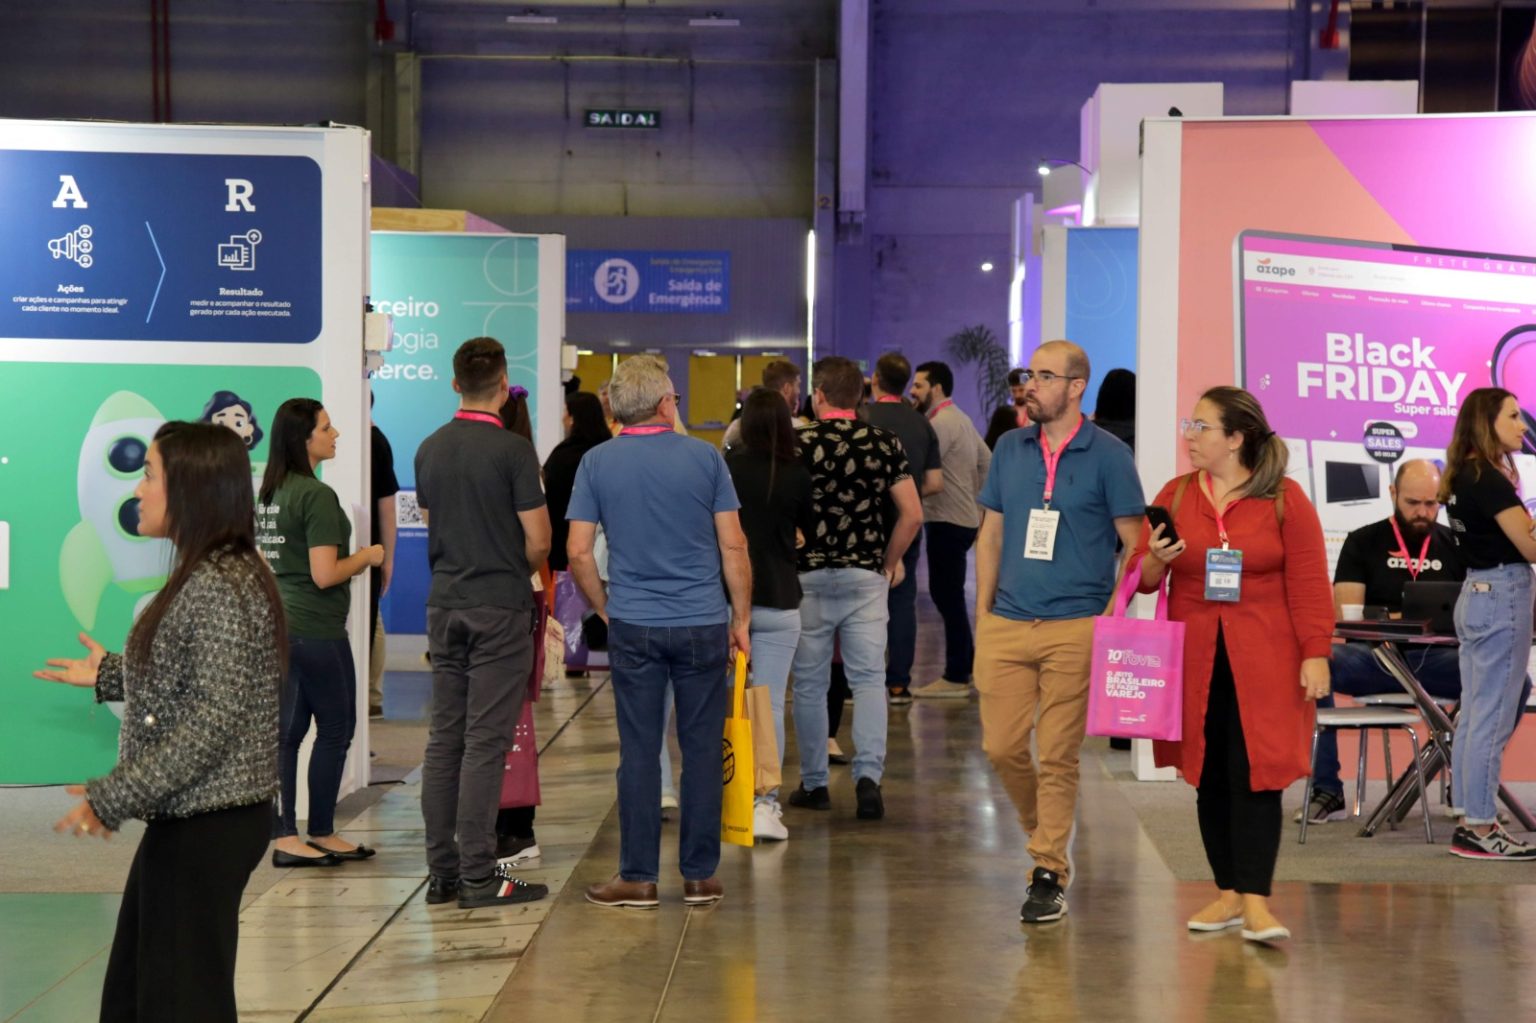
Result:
{"points": [[1374, 564], [891, 413]]}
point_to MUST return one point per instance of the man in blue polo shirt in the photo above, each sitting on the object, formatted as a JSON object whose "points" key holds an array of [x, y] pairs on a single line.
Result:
{"points": [[1059, 495], [669, 509]]}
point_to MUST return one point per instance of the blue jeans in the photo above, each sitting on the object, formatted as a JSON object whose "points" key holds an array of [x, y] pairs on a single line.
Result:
{"points": [[902, 632], [1354, 672], [1493, 622], [775, 634], [322, 684], [644, 659], [848, 604]]}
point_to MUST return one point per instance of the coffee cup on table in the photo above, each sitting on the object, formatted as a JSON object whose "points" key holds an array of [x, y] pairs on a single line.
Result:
{"points": [[1352, 612]]}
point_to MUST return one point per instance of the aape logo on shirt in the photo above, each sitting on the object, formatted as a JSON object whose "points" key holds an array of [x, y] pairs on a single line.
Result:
{"points": [[1398, 561]]}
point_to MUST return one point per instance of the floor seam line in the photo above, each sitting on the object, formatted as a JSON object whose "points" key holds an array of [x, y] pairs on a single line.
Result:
{"points": [[661, 1002], [57, 984]]}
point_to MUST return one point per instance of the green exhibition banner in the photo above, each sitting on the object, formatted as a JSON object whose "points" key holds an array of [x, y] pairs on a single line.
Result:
{"points": [[73, 438]]}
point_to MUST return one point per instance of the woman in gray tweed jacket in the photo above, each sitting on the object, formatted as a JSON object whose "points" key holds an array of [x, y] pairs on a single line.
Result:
{"points": [[197, 757]]}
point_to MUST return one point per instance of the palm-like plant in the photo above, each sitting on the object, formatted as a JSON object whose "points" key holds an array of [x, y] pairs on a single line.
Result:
{"points": [[980, 347]]}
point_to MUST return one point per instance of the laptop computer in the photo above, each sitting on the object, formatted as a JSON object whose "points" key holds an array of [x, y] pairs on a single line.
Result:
{"points": [[1433, 602]]}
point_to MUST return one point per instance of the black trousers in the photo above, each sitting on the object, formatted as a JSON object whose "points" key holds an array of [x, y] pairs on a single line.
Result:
{"points": [[948, 545], [173, 956], [1240, 827]]}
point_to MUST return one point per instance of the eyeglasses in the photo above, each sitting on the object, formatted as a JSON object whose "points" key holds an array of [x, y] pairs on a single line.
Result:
{"points": [[676, 397], [1045, 377], [1195, 426]]}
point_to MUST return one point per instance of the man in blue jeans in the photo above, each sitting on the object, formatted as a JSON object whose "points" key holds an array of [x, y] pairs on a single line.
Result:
{"points": [[1375, 563], [669, 511], [849, 563]]}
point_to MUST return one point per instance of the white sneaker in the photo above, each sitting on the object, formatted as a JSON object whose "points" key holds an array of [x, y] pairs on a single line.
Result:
{"points": [[767, 822], [669, 800]]}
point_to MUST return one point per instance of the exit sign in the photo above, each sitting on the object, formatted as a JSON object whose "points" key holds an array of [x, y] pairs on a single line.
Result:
{"points": [[624, 119]]}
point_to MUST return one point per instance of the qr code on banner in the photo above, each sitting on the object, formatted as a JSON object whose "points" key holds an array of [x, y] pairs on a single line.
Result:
{"points": [[407, 511]]}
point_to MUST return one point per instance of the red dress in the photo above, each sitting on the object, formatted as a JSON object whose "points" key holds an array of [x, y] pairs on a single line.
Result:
{"points": [[1284, 616]]}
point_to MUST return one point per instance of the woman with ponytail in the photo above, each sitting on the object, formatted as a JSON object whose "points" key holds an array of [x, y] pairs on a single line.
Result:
{"points": [[1249, 578]]}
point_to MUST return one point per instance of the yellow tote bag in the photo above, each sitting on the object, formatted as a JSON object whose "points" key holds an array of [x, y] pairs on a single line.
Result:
{"points": [[736, 806]]}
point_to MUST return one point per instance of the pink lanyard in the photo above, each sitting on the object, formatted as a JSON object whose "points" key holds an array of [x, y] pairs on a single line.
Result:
{"points": [[839, 413], [479, 417], [946, 403], [1053, 459], [886, 399], [1221, 525], [645, 431], [1414, 567]]}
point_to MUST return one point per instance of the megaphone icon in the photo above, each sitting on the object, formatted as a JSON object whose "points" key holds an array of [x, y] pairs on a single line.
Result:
{"points": [[75, 246]]}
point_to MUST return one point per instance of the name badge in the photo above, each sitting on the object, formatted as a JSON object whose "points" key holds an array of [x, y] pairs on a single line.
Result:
{"points": [[1040, 535], [1223, 575]]}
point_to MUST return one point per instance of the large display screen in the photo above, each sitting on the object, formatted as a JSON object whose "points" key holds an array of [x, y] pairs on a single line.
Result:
{"points": [[1362, 351]]}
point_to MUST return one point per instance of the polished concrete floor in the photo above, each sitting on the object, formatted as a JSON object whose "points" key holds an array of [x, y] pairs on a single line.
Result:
{"points": [[911, 918]]}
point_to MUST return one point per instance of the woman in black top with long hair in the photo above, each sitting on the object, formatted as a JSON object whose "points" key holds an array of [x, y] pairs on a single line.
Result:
{"points": [[775, 492], [197, 756], [585, 429]]}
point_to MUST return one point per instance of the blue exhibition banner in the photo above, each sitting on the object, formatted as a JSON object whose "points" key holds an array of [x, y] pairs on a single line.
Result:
{"points": [[159, 247], [1101, 299], [636, 281]]}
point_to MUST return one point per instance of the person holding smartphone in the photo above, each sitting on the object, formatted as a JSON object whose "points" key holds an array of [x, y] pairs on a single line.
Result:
{"points": [[1249, 573]]}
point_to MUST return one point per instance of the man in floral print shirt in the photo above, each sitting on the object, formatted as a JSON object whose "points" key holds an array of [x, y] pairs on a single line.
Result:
{"points": [[850, 560]]}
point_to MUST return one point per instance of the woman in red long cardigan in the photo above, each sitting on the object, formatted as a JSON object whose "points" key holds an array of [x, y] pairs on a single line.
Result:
{"points": [[1250, 581]]}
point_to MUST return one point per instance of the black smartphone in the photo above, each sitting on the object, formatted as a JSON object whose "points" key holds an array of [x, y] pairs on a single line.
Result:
{"points": [[1158, 516]]}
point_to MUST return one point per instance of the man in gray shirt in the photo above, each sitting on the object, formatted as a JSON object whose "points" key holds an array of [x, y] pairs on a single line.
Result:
{"points": [[951, 518], [890, 412], [487, 530]]}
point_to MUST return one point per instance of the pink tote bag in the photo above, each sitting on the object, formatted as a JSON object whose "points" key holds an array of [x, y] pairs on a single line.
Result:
{"points": [[1136, 678]]}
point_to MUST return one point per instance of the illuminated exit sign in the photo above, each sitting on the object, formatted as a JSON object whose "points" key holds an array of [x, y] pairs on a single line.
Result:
{"points": [[624, 119]]}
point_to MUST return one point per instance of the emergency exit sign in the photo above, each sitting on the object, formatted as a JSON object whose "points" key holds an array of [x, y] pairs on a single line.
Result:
{"points": [[624, 119]]}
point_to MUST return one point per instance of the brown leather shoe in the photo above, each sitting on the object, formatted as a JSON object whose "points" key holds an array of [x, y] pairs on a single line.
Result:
{"points": [[703, 893], [619, 893]]}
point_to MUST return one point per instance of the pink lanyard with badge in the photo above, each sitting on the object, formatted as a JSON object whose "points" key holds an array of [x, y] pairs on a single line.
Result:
{"points": [[1223, 565], [1040, 533], [946, 403], [1414, 567]]}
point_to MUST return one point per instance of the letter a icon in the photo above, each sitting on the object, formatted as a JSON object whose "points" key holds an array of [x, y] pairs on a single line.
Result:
{"points": [[69, 194]]}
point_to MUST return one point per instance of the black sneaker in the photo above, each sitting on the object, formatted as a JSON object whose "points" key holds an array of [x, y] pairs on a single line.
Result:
{"points": [[1045, 901], [1325, 806], [516, 850], [1498, 844], [900, 696], [814, 799], [441, 890], [500, 889], [871, 806]]}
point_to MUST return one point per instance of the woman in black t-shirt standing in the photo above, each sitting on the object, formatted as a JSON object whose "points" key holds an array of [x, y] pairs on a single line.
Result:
{"points": [[1493, 614], [775, 493]]}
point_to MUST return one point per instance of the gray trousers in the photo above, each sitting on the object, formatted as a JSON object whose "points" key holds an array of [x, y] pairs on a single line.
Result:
{"points": [[481, 659]]}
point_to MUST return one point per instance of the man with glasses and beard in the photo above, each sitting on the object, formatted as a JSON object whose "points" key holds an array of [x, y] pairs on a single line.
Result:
{"points": [[1374, 564], [1059, 495]]}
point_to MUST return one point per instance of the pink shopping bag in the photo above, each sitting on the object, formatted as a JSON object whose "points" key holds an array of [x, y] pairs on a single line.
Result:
{"points": [[1136, 678]]}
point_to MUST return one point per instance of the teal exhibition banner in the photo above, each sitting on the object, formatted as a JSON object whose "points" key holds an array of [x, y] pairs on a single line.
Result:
{"points": [[442, 290]]}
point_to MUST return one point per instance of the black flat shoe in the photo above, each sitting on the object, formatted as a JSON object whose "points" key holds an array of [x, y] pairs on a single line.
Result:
{"points": [[362, 852], [285, 860]]}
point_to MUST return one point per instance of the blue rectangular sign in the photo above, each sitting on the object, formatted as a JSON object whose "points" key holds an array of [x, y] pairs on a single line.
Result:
{"points": [[159, 247], [635, 281]]}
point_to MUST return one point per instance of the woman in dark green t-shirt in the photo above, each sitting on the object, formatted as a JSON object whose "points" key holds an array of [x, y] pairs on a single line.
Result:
{"points": [[303, 531]]}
